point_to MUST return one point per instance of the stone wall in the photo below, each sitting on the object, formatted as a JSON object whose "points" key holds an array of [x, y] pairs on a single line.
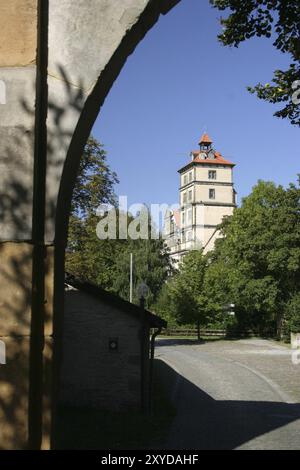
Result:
{"points": [[47, 108]]}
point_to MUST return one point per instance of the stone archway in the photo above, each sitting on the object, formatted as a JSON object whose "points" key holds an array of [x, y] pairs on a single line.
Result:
{"points": [[58, 62]]}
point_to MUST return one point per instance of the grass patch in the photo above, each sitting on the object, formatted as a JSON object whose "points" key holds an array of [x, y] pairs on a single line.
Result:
{"points": [[81, 428]]}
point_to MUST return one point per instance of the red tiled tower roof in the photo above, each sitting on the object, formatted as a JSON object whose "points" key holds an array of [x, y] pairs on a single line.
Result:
{"points": [[206, 155], [205, 139], [219, 160]]}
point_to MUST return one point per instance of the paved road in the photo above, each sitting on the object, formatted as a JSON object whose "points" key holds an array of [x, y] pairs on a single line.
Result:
{"points": [[232, 394]]}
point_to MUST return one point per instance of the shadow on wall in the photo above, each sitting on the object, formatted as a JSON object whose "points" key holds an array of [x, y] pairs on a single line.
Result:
{"points": [[16, 265], [65, 107], [207, 424]]}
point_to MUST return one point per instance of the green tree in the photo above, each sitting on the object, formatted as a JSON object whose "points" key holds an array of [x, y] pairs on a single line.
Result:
{"points": [[164, 305], [87, 257], [261, 250], [151, 264], [292, 314], [186, 301], [90, 258], [106, 262], [95, 181], [276, 19], [218, 281]]}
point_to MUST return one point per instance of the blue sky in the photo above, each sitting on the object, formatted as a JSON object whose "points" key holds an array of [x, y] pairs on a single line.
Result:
{"points": [[179, 82]]}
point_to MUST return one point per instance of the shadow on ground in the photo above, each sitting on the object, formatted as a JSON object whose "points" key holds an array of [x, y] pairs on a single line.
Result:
{"points": [[205, 423], [199, 422], [82, 428]]}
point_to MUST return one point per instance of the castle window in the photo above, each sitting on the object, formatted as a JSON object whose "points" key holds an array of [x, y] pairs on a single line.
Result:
{"points": [[185, 179], [190, 176], [189, 216], [212, 194], [190, 195], [183, 218], [184, 198], [172, 224], [212, 175]]}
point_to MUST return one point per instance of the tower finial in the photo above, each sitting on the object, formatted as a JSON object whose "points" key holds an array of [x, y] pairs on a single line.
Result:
{"points": [[205, 139]]}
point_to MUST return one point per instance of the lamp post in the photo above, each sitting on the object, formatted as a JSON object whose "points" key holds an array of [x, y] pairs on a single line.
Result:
{"points": [[131, 278]]}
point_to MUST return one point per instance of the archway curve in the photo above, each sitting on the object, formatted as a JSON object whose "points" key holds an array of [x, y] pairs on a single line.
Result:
{"points": [[88, 115], [93, 104]]}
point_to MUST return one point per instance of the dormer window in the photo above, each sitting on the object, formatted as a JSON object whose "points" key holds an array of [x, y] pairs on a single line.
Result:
{"points": [[211, 154]]}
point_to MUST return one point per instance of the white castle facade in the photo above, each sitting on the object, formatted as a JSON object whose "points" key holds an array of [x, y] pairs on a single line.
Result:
{"points": [[206, 196]]}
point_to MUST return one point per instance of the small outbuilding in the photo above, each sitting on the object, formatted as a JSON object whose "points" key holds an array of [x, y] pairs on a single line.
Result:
{"points": [[108, 350]]}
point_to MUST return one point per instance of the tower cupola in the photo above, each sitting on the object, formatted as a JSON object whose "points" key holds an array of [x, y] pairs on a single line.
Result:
{"points": [[205, 143]]}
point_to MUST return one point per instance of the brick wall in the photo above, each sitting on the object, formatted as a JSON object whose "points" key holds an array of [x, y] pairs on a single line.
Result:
{"points": [[92, 374]]}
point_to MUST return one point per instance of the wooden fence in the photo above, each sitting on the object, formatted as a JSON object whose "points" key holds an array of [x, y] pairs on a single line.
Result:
{"points": [[193, 332], [214, 333]]}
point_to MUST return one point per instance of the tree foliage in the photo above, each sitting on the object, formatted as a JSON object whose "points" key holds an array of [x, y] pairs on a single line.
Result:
{"points": [[182, 298], [255, 265], [261, 253], [276, 19], [105, 262], [95, 181], [151, 264]]}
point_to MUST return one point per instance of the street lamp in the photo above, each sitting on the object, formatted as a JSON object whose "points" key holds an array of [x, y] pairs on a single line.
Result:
{"points": [[142, 291]]}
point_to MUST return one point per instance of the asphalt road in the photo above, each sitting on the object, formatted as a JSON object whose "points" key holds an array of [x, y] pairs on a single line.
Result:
{"points": [[231, 394]]}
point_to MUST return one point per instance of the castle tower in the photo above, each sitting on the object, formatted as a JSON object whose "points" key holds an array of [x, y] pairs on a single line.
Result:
{"points": [[206, 196]]}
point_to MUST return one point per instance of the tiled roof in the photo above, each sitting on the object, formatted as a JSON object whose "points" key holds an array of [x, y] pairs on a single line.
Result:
{"points": [[114, 300], [205, 139], [218, 160]]}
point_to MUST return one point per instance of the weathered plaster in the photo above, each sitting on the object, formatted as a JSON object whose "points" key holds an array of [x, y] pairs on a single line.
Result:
{"points": [[16, 153], [18, 32], [89, 42]]}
